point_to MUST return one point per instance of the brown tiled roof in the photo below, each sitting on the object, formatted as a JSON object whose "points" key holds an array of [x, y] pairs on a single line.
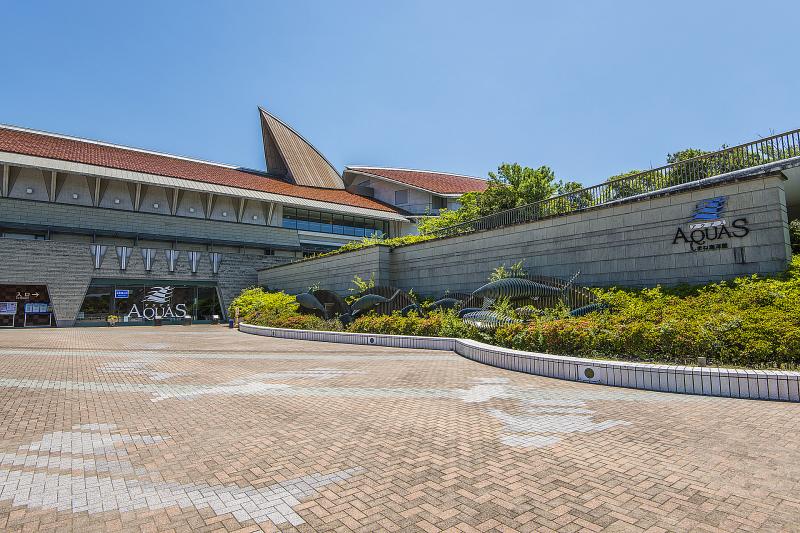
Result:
{"points": [[438, 182], [52, 146]]}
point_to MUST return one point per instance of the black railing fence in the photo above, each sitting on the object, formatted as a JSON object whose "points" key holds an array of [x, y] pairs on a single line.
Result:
{"points": [[767, 150]]}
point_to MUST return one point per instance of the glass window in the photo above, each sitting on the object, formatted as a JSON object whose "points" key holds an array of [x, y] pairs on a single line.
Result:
{"points": [[124, 306], [310, 220], [289, 218], [97, 304], [327, 223], [338, 224], [349, 228], [401, 197], [207, 304]]}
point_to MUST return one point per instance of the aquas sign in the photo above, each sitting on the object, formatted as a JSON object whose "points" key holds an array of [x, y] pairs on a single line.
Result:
{"points": [[708, 229], [157, 305]]}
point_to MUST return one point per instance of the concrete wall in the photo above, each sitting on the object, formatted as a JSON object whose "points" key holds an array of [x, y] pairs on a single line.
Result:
{"points": [[67, 268], [335, 272], [629, 244]]}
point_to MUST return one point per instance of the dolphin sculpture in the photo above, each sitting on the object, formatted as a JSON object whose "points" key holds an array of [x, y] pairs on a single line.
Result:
{"points": [[446, 303], [409, 308], [309, 301], [487, 320], [368, 301]]}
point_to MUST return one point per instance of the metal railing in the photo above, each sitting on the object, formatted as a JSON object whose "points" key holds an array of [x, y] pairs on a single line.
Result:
{"points": [[752, 154]]}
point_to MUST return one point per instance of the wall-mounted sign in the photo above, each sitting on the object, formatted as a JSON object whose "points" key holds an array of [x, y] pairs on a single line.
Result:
{"points": [[8, 308], [708, 230], [26, 295], [157, 304], [121, 293]]}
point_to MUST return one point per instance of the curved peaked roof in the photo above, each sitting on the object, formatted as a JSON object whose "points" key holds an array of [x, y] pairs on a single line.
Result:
{"points": [[429, 180], [291, 156]]}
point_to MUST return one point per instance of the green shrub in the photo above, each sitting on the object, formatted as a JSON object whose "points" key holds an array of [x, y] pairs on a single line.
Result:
{"points": [[257, 305], [749, 321], [304, 322], [444, 323]]}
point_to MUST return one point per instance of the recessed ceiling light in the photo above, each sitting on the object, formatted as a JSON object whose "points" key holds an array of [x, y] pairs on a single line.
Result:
{"points": [[74, 196], [224, 213], [29, 191], [116, 201], [191, 209], [255, 217], [155, 206]]}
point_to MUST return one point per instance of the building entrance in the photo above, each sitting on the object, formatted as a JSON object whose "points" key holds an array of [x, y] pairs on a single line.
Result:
{"points": [[25, 306], [132, 302]]}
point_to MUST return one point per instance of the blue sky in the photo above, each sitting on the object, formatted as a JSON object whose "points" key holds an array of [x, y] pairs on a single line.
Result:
{"points": [[588, 88]]}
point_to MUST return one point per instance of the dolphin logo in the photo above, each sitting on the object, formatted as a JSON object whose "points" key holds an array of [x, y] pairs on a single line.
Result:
{"points": [[159, 295]]}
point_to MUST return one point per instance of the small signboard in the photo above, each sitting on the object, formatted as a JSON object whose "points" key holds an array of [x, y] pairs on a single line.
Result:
{"points": [[8, 308], [121, 293]]}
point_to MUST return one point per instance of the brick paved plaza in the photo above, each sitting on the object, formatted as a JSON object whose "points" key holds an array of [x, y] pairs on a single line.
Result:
{"points": [[203, 428]]}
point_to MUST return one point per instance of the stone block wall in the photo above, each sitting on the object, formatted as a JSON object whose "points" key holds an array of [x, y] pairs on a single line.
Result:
{"points": [[627, 244], [67, 269], [335, 272], [26, 212]]}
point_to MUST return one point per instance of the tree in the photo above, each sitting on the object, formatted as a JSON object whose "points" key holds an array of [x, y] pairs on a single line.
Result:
{"points": [[451, 217], [514, 185]]}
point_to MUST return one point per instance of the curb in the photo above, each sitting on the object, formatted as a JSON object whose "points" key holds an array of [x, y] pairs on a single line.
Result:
{"points": [[705, 381]]}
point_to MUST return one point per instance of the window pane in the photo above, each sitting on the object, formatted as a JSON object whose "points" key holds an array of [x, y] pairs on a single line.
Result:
{"points": [[207, 304], [96, 304]]}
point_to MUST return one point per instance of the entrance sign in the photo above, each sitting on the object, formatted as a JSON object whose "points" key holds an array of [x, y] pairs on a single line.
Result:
{"points": [[157, 304], [708, 230], [122, 293]]}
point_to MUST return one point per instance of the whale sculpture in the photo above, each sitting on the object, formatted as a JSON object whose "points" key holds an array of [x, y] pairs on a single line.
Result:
{"points": [[462, 312], [368, 301], [516, 288], [487, 320]]}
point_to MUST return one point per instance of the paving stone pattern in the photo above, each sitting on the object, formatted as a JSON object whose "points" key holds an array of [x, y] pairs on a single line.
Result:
{"points": [[207, 429]]}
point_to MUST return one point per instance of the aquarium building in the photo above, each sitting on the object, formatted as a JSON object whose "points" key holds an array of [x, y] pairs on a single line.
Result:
{"points": [[91, 230]]}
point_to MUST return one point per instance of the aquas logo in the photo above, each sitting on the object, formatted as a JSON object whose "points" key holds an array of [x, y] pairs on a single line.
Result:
{"points": [[708, 229], [708, 213], [157, 304], [159, 295]]}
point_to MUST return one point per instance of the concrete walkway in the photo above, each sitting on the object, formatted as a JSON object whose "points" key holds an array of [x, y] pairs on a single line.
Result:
{"points": [[203, 428]]}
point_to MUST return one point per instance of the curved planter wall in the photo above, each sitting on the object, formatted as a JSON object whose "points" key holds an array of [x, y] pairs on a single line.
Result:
{"points": [[730, 383]]}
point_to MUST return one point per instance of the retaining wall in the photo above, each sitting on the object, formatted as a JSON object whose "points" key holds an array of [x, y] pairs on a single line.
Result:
{"points": [[629, 244]]}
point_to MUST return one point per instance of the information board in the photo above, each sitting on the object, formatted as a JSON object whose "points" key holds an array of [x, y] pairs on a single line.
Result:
{"points": [[8, 308], [122, 293]]}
